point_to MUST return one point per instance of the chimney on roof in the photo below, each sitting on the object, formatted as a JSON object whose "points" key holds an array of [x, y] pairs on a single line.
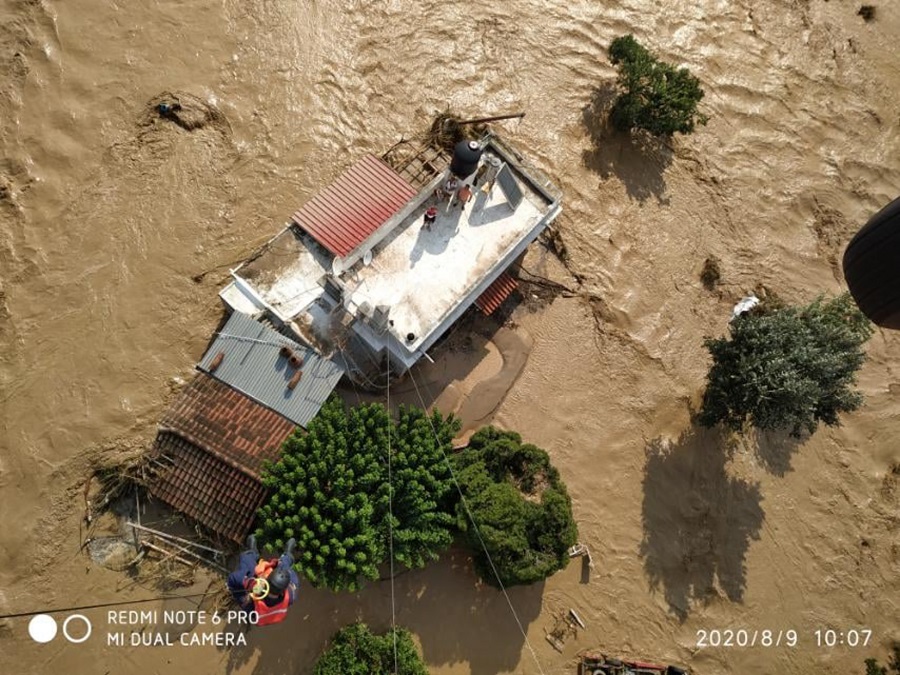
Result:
{"points": [[286, 351], [295, 360], [216, 362], [295, 380]]}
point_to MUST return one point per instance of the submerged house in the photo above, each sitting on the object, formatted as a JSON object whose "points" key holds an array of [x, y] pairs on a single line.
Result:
{"points": [[358, 283], [361, 276]]}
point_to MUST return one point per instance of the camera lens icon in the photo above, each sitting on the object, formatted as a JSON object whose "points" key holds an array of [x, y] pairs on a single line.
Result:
{"points": [[43, 628]]}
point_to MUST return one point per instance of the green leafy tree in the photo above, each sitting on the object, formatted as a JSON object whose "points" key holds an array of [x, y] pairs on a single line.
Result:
{"points": [[424, 496], [520, 506], [330, 490], [355, 650], [654, 96], [789, 368]]}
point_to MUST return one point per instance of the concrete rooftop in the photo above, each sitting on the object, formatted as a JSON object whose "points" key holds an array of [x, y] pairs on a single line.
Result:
{"points": [[423, 274]]}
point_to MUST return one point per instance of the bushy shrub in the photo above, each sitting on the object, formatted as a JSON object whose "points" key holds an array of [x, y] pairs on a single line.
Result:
{"points": [[711, 273], [520, 506], [355, 650]]}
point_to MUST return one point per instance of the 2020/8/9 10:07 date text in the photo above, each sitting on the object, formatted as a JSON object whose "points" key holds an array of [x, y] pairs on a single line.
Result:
{"points": [[743, 637]]}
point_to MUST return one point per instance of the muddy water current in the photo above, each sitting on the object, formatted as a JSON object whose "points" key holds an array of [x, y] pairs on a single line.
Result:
{"points": [[108, 214]]}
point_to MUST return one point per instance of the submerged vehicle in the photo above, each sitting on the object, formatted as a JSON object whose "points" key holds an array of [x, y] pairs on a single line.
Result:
{"points": [[600, 664]]}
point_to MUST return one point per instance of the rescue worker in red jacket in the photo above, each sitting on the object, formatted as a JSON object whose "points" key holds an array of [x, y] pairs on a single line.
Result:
{"points": [[267, 587]]}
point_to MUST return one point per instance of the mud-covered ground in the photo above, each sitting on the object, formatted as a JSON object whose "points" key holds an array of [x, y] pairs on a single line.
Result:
{"points": [[108, 212]]}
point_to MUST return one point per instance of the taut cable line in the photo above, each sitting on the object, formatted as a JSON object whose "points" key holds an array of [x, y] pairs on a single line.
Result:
{"points": [[391, 510], [471, 519]]}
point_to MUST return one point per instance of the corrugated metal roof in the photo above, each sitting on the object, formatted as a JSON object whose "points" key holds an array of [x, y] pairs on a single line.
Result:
{"points": [[496, 293], [252, 364], [204, 487], [347, 212], [227, 423]]}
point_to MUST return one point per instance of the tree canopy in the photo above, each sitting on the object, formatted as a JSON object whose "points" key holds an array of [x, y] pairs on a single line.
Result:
{"points": [[355, 650], [789, 368], [654, 95], [330, 490], [892, 667], [520, 506]]}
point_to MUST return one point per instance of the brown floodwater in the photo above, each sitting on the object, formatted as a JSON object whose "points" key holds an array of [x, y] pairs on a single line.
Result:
{"points": [[107, 212]]}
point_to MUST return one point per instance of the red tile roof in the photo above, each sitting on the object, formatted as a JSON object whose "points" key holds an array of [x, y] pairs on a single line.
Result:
{"points": [[496, 293], [347, 212], [210, 449], [226, 423], [205, 487]]}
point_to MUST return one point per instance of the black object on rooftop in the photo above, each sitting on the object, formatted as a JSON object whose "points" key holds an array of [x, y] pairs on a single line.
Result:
{"points": [[872, 267], [466, 155]]}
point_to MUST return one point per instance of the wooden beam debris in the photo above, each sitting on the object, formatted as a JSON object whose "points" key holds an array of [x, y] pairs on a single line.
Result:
{"points": [[172, 537], [577, 618], [168, 554], [495, 118]]}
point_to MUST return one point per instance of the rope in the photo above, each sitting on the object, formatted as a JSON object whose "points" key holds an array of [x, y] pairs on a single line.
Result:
{"points": [[104, 604], [475, 527], [391, 511], [350, 364]]}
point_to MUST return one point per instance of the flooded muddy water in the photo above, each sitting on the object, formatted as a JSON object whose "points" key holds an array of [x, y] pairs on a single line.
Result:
{"points": [[108, 213]]}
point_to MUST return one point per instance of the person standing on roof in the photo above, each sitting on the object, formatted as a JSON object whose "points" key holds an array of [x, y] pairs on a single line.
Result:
{"points": [[430, 217], [267, 587], [463, 195], [450, 188]]}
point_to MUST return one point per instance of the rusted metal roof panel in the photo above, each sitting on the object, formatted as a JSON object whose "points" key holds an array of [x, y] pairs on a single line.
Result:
{"points": [[353, 207], [204, 487], [252, 363], [225, 422], [496, 293]]}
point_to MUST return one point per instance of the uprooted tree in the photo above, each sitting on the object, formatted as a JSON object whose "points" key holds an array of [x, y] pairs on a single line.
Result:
{"points": [[330, 490], [520, 506], [787, 368], [653, 95], [355, 650]]}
